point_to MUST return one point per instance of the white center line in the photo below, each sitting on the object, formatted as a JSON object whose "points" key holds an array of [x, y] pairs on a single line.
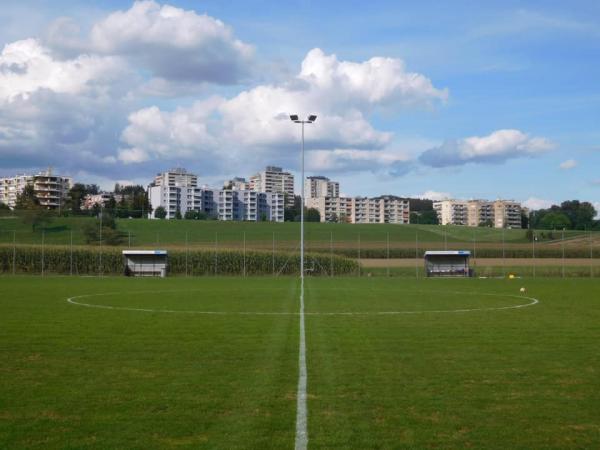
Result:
{"points": [[301, 410]]}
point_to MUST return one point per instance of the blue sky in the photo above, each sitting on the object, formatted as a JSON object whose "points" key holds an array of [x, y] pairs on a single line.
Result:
{"points": [[466, 99]]}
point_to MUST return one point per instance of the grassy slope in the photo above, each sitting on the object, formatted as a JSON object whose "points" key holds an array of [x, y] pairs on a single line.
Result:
{"points": [[145, 232], [91, 378]]}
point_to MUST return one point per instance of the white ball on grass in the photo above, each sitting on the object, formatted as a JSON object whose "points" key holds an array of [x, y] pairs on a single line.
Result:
{"points": [[523, 290]]}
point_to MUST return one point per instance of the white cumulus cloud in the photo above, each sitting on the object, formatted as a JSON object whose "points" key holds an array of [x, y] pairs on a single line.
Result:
{"points": [[496, 147], [568, 164], [173, 43], [534, 203], [255, 125], [26, 67], [434, 195]]}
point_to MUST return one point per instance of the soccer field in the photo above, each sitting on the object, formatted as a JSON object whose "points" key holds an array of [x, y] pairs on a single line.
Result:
{"points": [[214, 363]]}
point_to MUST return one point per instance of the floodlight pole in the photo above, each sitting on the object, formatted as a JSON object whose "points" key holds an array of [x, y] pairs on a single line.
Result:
{"points": [[302, 211], [295, 119]]}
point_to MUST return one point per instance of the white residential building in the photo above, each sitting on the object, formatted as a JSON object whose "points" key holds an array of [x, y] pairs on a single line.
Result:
{"points": [[331, 209], [274, 179], [237, 184], [182, 194], [384, 209], [50, 190], [451, 212], [319, 186], [499, 213], [100, 199], [176, 177]]}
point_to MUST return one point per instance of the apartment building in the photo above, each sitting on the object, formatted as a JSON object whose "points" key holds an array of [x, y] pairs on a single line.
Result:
{"points": [[479, 212], [181, 194], [273, 179], [394, 209], [452, 212], [499, 213], [177, 176], [237, 184], [250, 205], [51, 190], [319, 186], [384, 209], [100, 199], [507, 214], [331, 209]]}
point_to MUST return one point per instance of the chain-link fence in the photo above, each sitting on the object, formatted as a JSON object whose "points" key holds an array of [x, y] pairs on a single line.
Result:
{"points": [[78, 246]]}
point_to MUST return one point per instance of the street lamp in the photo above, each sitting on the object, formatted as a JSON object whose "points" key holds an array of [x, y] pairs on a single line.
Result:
{"points": [[294, 118]]}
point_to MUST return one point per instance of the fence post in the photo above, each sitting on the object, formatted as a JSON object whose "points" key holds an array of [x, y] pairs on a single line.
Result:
{"points": [[71, 255], [474, 249], [43, 239], [100, 252], [216, 253], [533, 252], [244, 262], [563, 252], [331, 254], [387, 240], [186, 253], [359, 254], [273, 254], [129, 238], [14, 262], [591, 256], [14, 251], [157, 238], [503, 255], [445, 238], [417, 254]]}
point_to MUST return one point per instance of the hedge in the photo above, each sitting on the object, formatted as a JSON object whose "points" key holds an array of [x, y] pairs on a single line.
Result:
{"points": [[109, 261]]}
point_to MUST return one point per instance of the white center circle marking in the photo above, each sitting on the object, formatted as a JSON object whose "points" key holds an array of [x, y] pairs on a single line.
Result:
{"points": [[74, 301]]}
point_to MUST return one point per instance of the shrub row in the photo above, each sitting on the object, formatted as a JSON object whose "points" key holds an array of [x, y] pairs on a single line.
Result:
{"points": [[92, 261]]}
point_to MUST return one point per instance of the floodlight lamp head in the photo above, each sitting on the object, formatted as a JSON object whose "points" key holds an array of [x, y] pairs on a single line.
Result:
{"points": [[294, 117], [312, 118]]}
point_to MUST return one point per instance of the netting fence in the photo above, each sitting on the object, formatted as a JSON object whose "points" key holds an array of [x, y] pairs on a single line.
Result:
{"points": [[225, 248]]}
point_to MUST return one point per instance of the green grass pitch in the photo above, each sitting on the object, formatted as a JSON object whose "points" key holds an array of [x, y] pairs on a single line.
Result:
{"points": [[146, 367]]}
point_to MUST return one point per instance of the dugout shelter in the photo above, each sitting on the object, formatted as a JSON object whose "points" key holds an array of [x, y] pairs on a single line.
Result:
{"points": [[145, 263], [448, 263]]}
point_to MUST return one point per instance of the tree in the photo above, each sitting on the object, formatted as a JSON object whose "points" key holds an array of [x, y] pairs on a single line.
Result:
{"points": [[27, 200], [110, 235], [524, 220], [111, 204], [92, 189], [427, 217], [4, 207], [312, 215], [555, 220], [160, 212], [75, 197], [486, 223], [39, 218], [292, 214], [191, 214], [420, 205], [178, 214]]}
